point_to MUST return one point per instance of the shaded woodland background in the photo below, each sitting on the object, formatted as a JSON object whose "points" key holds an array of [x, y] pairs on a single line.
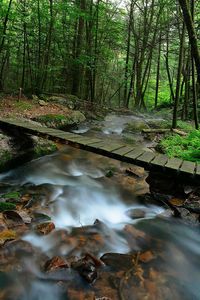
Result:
{"points": [[126, 54]]}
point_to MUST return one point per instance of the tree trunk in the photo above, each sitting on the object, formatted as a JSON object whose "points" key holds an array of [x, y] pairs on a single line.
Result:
{"points": [[178, 81], [158, 73], [192, 34]]}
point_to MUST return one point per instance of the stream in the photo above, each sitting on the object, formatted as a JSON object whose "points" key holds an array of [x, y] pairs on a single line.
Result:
{"points": [[83, 229]]}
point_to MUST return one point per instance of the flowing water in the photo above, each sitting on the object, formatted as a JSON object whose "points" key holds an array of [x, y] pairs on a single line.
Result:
{"points": [[95, 214], [115, 126]]}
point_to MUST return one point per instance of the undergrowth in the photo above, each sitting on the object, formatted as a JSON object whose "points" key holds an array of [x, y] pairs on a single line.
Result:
{"points": [[187, 147]]}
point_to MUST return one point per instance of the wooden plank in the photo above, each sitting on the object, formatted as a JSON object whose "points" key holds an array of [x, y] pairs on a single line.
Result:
{"points": [[197, 169], [110, 147], [160, 160], [188, 167], [174, 163], [124, 150], [86, 141], [147, 157], [135, 153]]}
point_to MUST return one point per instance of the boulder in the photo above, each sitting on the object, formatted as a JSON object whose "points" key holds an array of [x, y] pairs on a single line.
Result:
{"points": [[61, 121], [136, 125]]}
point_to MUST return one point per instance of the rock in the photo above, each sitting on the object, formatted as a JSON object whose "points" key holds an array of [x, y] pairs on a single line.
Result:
{"points": [[45, 228], [86, 267], [6, 235], [40, 217], [146, 256], [136, 125], [61, 121], [117, 260], [77, 117], [42, 103], [136, 213], [65, 100], [35, 98], [12, 218], [166, 214], [55, 263], [188, 217]]}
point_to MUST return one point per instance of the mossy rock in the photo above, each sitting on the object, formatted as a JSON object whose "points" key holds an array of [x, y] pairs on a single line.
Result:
{"points": [[5, 156], [61, 121], [136, 126], [159, 123]]}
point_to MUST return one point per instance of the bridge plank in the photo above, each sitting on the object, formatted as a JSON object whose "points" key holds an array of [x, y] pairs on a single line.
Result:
{"points": [[124, 150], [110, 147], [198, 169], [174, 163], [135, 153], [160, 160], [147, 157], [188, 167]]}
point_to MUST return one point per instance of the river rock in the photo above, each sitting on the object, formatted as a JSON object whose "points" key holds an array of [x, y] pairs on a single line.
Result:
{"points": [[55, 263], [136, 125], [45, 228], [86, 267], [136, 213], [117, 260]]}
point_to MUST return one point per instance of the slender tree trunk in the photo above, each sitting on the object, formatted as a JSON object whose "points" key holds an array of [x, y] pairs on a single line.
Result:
{"points": [[178, 81], [158, 72], [77, 68], [5, 23], [194, 90], [192, 34], [128, 54]]}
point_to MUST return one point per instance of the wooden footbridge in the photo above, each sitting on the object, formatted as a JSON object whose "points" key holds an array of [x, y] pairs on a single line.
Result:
{"points": [[126, 153]]}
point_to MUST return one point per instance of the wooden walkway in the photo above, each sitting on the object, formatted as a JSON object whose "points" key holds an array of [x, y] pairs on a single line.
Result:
{"points": [[126, 153]]}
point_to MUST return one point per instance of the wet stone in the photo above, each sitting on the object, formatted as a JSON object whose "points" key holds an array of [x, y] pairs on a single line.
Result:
{"points": [[55, 263], [45, 228], [117, 260], [136, 213], [189, 218], [86, 268]]}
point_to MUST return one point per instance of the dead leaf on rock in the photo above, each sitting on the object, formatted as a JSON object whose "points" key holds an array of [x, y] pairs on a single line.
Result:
{"points": [[177, 201], [146, 256], [55, 263], [7, 235], [45, 228], [13, 218]]}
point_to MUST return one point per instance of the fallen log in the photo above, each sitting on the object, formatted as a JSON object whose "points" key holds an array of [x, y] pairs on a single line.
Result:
{"points": [[157, 130]]}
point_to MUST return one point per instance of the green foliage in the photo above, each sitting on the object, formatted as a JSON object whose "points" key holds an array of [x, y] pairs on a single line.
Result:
{"points": [[12, 195], [22, 105], [7, 206], [51, 118], [187, 147]]}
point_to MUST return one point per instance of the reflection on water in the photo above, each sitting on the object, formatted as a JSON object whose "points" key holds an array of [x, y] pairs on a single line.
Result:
{"points": [[90, 215]]}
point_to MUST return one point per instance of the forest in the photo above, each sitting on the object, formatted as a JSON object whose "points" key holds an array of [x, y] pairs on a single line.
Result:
{"points": [[137, 54], [99, 149]]}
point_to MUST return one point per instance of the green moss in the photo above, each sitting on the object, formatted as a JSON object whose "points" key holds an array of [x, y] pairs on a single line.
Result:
{"points": [[22, 105], [185, 126], [5, 156], [50, 118], [187, 148], [13, 195], [41, 150], [7, 206]]}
